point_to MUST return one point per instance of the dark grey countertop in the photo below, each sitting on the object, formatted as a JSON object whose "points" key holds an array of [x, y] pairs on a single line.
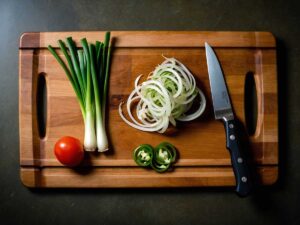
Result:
{"points": [[278, 204]]}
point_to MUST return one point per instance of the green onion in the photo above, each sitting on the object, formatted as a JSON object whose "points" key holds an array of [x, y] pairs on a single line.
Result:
{"points": [[88, 73]]}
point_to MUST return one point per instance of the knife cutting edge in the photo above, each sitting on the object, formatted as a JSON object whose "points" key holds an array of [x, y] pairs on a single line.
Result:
{"points": [[223, 111]]}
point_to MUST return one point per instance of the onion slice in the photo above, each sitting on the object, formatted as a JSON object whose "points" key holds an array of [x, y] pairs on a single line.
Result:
{"points": [[166, 96]]}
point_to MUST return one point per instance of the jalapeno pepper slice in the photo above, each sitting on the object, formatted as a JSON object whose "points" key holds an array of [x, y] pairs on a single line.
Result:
{"points": [[160, 167], [165, 153], [143, 155], [159, 158]]}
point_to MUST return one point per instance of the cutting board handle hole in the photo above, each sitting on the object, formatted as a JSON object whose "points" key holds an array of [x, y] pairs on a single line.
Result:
{"points": [[41, 101], [250, 103]]}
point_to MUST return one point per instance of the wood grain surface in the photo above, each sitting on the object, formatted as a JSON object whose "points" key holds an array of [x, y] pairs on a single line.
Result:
{"points": [[203, 161]]}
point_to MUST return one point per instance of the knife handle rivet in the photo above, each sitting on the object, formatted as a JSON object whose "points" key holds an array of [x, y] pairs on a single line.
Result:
{"points": [[240, 160], [232, 137], [244, 179], [231, 125]]}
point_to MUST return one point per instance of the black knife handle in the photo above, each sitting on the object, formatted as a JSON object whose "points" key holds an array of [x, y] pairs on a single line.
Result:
{"points": [[239, 163]]}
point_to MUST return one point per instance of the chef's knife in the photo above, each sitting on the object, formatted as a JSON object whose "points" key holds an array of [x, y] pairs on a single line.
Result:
{"points": [[223, 111]]}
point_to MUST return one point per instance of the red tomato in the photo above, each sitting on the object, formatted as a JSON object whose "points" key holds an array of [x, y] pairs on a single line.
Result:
{"points": [[69, 151]]}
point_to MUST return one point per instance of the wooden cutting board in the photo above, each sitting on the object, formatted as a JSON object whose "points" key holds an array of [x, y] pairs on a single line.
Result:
{"points": [[203, 161]]}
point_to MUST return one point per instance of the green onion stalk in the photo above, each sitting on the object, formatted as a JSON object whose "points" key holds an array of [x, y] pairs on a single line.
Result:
{"points": [[88, 72]]}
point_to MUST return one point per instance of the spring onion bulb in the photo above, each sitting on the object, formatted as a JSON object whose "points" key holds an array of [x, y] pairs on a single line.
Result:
{"points": [[165, 97], [88, 72]]}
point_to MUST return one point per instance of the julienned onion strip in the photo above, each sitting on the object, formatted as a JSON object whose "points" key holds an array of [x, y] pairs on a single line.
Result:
{"points": [[166, 96], [159, 158], [88, 73]]}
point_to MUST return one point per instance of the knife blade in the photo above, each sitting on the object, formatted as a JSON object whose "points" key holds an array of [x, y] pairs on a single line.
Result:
{"points": [[223, 111]]}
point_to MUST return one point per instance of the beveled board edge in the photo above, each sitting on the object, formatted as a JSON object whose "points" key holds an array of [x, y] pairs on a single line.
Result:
{"points": [[125, 177], [156, 38], [26, 128]]}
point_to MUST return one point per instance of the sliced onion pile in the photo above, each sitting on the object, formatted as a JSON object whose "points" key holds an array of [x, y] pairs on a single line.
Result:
{"points": [[166, 96]]}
